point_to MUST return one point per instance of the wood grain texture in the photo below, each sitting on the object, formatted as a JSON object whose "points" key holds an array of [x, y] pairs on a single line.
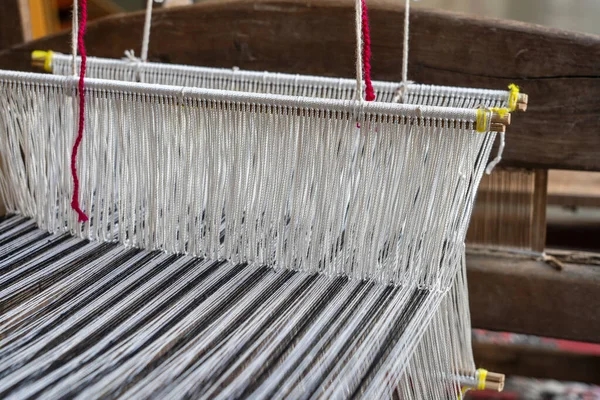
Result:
{"points": [[506, 211], [540, 199], [559, 70], [574, 188], [519, 295], [537, 362]]}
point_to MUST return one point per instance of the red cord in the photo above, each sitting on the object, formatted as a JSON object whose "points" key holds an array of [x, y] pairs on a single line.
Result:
{"points": [[81, 46], [370, 93]]}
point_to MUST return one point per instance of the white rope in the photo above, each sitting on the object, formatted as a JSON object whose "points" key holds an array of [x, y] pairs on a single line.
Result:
{"points": [[359, 50], [405, 43], [146, 36], [74, 33]]}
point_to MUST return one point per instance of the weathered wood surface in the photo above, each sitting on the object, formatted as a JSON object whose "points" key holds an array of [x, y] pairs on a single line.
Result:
{"points": [[574, 188], [15, 26], [537, 362], [516, 294], [538, 224], [510, 210], [559, 70]]}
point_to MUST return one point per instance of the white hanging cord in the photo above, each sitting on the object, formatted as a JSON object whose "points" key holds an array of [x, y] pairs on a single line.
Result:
{"points": [[490, 167], [405, 44], [130, 54], [359, 49], [75, 23], [146, 37], [401, 90]]}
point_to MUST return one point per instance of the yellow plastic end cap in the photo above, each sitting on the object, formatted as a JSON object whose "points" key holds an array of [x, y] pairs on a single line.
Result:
{"points": [[45, 56]]}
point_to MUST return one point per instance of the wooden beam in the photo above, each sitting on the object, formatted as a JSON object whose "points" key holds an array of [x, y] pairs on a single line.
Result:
{"points": [[537, 362], [574, 188], [176, 3], [559, 70], [512, 293], [15, 25]]}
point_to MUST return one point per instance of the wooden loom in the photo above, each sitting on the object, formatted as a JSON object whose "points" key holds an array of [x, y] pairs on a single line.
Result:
{"points": [[560, 71]]}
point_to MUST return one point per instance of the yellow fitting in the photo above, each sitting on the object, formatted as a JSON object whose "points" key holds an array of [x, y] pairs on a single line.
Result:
{"points": [[40, 56], [501, 111], [481, 375], [482, 120], [513, 97]]}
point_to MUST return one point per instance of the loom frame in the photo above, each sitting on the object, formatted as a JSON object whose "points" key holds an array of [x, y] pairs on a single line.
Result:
{"points": [[559, 70]]}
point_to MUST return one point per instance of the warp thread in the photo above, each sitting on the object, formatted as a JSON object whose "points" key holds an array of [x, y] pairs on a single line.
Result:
{"points": [[370, 93], [81, 45]]}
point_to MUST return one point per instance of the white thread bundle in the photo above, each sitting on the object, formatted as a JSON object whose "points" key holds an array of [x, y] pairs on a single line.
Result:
{"points": [[373, 192], [134, 70], [374, 197], [278, 83], [92, 320], [296, 187]]}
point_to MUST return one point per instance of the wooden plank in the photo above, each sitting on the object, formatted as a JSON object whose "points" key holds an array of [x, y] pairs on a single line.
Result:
{"points": [[574, 188], [537, 362], [559, 70], [15, 26], [176, 3], [516, 294]]}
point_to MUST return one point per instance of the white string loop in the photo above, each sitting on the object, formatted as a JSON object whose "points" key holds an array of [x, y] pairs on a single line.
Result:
{"points": [[490, 167]]}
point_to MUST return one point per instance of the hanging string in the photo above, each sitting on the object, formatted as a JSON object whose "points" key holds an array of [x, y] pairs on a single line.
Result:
{"points": [[405, 44], [359, 49], [81, 45], [146, 36], [399, 96], [74, 31], [370, 93]]}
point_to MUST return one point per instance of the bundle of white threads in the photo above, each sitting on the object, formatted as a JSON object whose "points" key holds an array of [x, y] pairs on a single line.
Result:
{"points": [[290, 247]]}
